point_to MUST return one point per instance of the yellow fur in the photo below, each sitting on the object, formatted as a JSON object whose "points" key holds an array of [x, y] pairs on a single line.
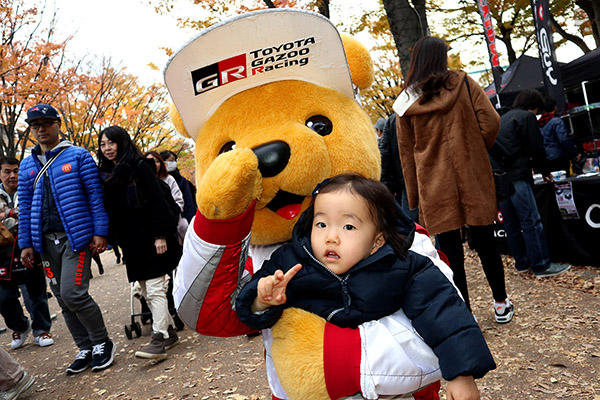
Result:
{"points": [[297, 349], [229, 181], [279, 111], [176, 120], [359, 60], [240, 166]]}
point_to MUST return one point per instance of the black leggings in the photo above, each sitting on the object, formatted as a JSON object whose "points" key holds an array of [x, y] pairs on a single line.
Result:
{"points": [[450, 244]]}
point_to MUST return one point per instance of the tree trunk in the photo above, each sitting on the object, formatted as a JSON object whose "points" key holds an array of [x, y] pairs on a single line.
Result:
{"points": [[323, 7], [506, 39], [592, 9], [572, 38], [408, 25]]}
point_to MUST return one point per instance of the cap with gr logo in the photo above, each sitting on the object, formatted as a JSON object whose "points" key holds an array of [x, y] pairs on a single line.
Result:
{"points": [[251, 50]]}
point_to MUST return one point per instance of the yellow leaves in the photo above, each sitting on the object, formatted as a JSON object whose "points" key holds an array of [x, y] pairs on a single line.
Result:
{"points": [[386, 87], [30, 64], [168, 51]]}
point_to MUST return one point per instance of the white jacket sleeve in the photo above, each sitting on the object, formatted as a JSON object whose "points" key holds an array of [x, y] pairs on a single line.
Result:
{"points": [[175, 191]]}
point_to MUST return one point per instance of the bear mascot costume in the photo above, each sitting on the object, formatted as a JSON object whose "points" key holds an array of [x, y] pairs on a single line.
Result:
{"points": [[269, 98]]}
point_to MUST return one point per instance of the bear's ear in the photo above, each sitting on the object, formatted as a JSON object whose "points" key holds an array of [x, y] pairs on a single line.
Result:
{"points": [[359, 61], [176, 120]]}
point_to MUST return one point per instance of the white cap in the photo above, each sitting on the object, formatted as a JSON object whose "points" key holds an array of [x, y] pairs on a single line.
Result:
{"points": [[251, 50]]}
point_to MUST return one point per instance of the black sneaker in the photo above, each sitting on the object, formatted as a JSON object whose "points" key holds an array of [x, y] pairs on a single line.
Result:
{"points": [[506, 315], [103, 355], [81, 363], [553, 269]]}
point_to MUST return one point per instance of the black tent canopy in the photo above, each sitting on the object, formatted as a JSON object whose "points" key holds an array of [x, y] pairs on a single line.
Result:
{"points": [[526, 73], [584, 68]]}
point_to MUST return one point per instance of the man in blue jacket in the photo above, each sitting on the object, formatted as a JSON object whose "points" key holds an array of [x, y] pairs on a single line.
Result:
{"points": [[62, 217]]}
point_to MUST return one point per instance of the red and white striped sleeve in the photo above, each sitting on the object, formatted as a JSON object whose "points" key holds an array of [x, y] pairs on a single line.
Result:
{"points": [[213, 266]]}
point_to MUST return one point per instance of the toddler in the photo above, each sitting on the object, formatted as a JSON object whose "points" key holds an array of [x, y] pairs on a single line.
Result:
{"points": [[349, 262]]}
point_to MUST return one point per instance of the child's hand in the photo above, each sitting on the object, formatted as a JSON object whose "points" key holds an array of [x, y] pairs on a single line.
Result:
{"points": [[271, 289], [462, 388]]}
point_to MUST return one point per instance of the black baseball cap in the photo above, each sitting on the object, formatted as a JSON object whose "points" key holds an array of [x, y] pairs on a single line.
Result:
{"points": [[41, 111]]}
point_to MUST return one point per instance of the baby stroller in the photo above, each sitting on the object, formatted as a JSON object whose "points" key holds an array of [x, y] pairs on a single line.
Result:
{"points": [[145, 315]]}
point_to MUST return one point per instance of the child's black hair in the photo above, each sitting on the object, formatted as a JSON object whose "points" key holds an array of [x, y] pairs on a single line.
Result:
{"points": [[380, 202]]}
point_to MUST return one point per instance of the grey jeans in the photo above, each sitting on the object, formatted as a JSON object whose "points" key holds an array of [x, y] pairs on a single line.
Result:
{"points": [[70, 283], [10, 371]]}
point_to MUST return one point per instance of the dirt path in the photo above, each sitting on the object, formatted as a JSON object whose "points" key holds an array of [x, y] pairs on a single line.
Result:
{"points": [[551, 350]]}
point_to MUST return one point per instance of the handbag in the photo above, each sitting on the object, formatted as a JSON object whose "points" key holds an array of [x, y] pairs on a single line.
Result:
{"points": [[502, 179], [12, 270], [6, 236]]}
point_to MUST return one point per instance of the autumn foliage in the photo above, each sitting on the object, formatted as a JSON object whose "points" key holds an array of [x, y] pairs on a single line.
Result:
{"points": [[35, 67]]}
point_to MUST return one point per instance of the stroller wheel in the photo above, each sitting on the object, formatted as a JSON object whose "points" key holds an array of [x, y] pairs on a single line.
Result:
{"points": [[137, 329], [128, 332]]}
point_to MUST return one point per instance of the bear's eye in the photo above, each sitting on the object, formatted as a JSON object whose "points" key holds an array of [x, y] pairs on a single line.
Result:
{"points": [[320, 124], [227, 147]]}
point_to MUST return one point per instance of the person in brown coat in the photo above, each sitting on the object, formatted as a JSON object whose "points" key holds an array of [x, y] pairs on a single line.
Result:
{"points": [[445, 126]]}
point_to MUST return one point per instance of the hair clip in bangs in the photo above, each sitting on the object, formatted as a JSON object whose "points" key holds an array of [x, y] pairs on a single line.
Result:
{"points": [[319, 187]]}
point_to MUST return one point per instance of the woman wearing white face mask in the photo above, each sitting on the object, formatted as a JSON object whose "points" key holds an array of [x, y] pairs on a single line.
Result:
{"points": [[187, 188], [171, 165]]}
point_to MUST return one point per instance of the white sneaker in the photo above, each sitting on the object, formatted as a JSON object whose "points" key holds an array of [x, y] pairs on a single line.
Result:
{"points": [[504, 311], [43, 339], [19, 338]]}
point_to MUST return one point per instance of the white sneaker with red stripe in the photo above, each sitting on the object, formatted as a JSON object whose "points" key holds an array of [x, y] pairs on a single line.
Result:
{"points": [[44, 339], [504, 311], [18, 338]]}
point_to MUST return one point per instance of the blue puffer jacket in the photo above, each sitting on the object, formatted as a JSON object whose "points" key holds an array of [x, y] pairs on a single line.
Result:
{"points": [[557, 142], [77, 192], [375, 287]]}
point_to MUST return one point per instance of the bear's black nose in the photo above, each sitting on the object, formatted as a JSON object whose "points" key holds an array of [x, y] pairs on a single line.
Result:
{"points": [[272, 158]]}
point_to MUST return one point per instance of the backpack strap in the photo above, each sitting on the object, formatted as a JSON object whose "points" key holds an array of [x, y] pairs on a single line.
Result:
{"points": [[46, 166], [471, 98]]}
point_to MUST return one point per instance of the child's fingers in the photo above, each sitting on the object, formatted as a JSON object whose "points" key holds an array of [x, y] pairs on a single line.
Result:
{"points": [[291, 273], [265, 288], [278, 276], [281, 298]]}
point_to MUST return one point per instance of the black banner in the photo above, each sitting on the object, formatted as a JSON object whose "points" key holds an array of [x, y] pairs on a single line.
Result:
{"points": [[543, 30], [490, 39]]}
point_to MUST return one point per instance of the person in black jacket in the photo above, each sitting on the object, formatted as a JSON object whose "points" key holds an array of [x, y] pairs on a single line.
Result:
{"points": [[519, 148], [187, 188], [136, 208], [350, 263], [391, 167]]}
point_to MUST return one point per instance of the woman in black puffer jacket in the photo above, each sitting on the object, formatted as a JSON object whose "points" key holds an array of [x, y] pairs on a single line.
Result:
{"points": [[137, 206]]}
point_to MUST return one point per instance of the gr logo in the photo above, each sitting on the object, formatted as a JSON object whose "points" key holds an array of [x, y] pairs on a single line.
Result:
{"points": [[218, 74]]}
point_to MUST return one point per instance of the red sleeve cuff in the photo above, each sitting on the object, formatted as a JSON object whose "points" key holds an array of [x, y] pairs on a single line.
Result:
{"points": [[224, 231], [420, 229], [341, 361]]}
